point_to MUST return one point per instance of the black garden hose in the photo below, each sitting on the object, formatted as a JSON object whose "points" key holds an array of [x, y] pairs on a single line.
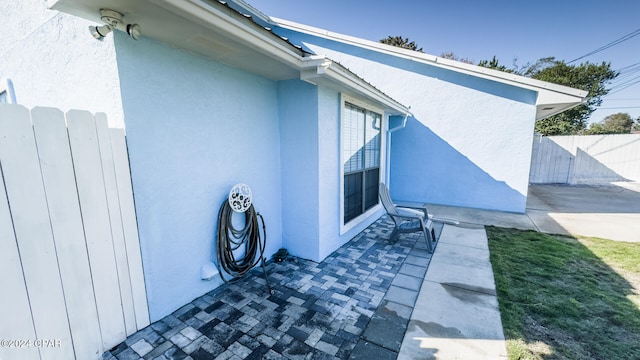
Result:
{"points": [[231, 239]]}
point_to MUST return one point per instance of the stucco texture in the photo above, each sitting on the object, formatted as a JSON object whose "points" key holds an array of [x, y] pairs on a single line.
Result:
{"points": [[311, 171], [53, 61], [469, 141], [194, 129]]}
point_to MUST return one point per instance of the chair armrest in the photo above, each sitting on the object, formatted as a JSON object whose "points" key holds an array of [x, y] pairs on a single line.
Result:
{"points": [[413, 205], [423, 207], [410, 213]]}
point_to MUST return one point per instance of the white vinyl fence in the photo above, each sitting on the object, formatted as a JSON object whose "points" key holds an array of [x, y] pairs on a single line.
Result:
{"points": [[585, 159], [71, 281]]}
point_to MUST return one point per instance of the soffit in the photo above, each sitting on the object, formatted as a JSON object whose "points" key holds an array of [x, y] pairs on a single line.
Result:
{"points": [[209, 28]]}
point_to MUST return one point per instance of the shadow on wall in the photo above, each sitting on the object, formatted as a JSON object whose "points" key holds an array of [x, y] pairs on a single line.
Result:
{"points": [[552, 163], [589, 170], [426, 168]]}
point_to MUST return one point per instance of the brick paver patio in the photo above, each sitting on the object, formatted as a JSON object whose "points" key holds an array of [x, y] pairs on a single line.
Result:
{"points": [[356, 304]]}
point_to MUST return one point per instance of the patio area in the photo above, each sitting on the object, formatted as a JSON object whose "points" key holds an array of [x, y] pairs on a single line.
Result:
{"points": [[355, 304]]}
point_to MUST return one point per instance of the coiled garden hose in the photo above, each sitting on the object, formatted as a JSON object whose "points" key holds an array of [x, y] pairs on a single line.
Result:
{"points": [[231, 240]]}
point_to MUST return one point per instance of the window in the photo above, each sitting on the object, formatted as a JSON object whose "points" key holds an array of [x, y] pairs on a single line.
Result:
{"points": [[361, 155]]}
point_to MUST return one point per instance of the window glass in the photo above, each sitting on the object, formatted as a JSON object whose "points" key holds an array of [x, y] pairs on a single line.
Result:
{"points": [[361, 153], [353, 138]]}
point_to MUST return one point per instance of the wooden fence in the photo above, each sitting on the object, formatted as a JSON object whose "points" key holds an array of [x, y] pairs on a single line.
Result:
{"points": [[585, 159], [71, 278]]}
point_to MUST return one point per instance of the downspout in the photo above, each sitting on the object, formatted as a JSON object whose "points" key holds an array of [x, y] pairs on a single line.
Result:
{"points": [[389, 131]]}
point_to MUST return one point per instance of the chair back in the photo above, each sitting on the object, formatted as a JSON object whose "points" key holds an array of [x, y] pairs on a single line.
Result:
{"points": [[383, 193]]}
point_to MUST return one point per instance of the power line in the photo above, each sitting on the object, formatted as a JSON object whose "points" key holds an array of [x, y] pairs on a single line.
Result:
{"points": [[623, 83], [622, 69], [627, 72], [620, 107], [618, 89], [613, 43]]}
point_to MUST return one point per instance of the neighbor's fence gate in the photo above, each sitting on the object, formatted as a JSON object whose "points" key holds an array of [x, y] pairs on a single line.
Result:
{"points": [[71, 278], [585, 159]]}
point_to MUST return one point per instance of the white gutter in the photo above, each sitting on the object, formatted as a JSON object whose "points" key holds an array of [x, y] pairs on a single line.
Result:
{"points": [[223, 21], [257, 14], [478, 71], [401, 126]]}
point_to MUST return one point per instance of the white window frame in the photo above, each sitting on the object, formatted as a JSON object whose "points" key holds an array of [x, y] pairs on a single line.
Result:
{"points": [[344, 228], [6, 86]]}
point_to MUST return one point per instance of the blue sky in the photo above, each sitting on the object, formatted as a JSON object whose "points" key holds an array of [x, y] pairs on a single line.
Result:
{"points": [[478, 30]]}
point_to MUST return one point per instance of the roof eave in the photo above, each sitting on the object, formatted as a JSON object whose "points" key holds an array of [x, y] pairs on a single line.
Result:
{"points": [[551, 95], [325, 72], [225, 22], [213, 29]]}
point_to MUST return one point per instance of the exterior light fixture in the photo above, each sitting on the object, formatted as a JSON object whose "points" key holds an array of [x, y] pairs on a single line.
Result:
{"points": [[99, 32], [114, 20]]}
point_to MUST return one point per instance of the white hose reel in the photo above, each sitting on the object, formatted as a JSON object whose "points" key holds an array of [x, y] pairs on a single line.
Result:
{"points": [[246, 239], [240, 197]]}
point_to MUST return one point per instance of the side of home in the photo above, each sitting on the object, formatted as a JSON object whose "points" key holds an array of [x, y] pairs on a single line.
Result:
{"points": [[212, 95], [208, 99], [469, 140]]}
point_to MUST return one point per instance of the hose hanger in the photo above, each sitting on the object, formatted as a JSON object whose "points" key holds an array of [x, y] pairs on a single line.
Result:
{"points": [[240, 197], [240, 250]]}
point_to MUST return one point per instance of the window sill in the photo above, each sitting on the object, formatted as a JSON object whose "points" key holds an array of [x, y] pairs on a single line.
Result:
{"points": [[344, 228]]}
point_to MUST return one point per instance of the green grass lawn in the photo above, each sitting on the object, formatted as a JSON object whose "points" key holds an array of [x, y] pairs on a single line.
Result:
{"points": [[567, 298]]}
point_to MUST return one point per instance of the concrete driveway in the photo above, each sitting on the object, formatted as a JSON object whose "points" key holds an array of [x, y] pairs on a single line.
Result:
{"points": [[610, 211]]}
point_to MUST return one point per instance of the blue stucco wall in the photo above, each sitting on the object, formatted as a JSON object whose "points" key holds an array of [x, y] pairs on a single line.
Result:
{"points": [[469, 142], [329, 175], [310, 168], [298, 106], [194, 129]]}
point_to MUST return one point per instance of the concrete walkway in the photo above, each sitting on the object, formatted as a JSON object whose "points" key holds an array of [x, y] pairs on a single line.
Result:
{"points": [[610, 211], [456, 314]]}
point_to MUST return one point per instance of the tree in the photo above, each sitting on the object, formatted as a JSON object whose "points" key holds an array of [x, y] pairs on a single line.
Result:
{"points": [[586, 76], [636, 126], [514, 69], [495, 64], [401, 42], [620, 123], [590, 77], [451, 56]]}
